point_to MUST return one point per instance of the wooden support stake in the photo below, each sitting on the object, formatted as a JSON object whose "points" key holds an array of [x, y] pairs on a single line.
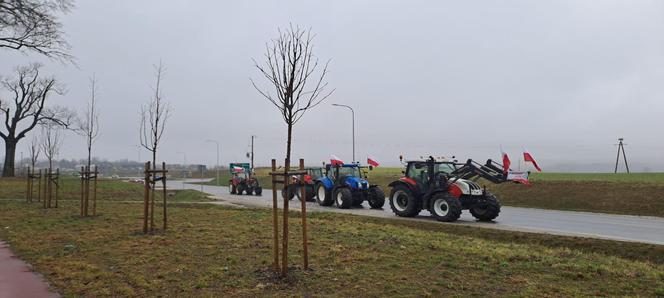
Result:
{"points": [[94, 194], [275, 217], [153, 183], [57, 185], [42, 193], [87, 191], [303, 200], [284, 249], [27, 192], [82, 190], [163, 181], [146, 196]]}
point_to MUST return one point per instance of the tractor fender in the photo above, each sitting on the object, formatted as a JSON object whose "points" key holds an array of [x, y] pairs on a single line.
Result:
{"points": [[407, 182], [326, 182]]}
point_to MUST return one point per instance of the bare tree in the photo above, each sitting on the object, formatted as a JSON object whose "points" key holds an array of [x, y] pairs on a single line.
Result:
{"points": [[27, 108], [33, 25], [88, 125], [153, 117], [51, 142], [295, 74], [34, 150]]}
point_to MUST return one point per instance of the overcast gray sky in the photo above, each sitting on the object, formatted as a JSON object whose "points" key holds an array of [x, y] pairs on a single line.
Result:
{"points": [[563, 78]]}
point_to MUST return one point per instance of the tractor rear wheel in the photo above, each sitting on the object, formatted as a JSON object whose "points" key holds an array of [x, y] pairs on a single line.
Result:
{"points": [[403, 202], [288, 192], [231, 188], [376, 197], [344, 198], [487, 211], [445, 207], [239, 189], [323, 195], [309, 191]]}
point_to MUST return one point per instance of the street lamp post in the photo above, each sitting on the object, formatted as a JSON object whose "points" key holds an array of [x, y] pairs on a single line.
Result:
{"points": [[217, 167], [353, 113]]}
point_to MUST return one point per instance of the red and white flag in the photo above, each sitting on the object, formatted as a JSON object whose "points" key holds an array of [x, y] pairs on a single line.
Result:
{"points": [[527, 157], [506, 161], [334, 160], [238, 169], [372, 161]]}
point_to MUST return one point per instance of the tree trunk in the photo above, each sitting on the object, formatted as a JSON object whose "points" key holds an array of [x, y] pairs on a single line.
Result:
{"points": [[10, 154], [288, 142]]}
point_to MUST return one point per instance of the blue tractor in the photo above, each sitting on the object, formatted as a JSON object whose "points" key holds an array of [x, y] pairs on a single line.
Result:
{"points": [[347, 186]]}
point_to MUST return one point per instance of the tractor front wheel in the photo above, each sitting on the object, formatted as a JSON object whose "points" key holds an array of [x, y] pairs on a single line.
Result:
{"points": [[344, 198], [323, 195], [289, 192], [258, 191], [376, 198], [445, 207], [403, 203], [487, 211]]}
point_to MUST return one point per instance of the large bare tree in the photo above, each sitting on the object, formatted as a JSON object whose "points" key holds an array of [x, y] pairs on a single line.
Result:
{"points": [[27, 107], [88, 125], [33, 25], [297, 79], [153, 116]]}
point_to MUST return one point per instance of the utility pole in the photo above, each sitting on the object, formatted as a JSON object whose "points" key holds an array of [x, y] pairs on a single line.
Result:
{"points": [[252, 152], [621, 146]]}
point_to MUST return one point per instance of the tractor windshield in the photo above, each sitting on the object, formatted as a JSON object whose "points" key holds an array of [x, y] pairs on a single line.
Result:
{"points": [[315, 173], [349, 171], [444, 168]]}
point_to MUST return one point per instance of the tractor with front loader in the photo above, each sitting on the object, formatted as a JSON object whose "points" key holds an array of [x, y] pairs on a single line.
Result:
{"points": [[346, 186], [445, 188]]}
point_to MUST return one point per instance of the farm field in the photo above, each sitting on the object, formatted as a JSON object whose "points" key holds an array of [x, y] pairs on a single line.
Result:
{"points": [[210, 250], [631, 194]]}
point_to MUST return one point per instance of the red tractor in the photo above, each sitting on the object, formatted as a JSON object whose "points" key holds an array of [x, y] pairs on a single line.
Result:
{"points": [[295, 185], [445, 189], [242, 181]]}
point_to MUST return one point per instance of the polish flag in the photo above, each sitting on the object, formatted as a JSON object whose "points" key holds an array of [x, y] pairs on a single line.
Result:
{"points": [[506, 161], [334, 160], [527, 157], [372, 161]]}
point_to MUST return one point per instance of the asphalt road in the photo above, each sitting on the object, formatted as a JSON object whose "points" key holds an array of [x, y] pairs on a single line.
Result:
{"points": [[644, 229]]}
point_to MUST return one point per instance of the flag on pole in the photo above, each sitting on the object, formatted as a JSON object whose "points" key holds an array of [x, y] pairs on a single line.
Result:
{"points": [[527, 157], [334, 160], [372, 161], [506, 160]]}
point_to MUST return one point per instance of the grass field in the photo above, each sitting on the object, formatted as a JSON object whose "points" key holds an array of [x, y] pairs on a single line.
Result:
{"points": [[633, 194], [212, 251]]}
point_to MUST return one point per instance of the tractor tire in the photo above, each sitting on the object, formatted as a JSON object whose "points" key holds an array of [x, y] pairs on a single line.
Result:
{"points": [[231, 189], [323, 195], [250, 190], [309, 190], [288, 192], [344, 198], [376, 198], [445, 207], [258, 191], [487, 212], [404, 203], [239, 189]]}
